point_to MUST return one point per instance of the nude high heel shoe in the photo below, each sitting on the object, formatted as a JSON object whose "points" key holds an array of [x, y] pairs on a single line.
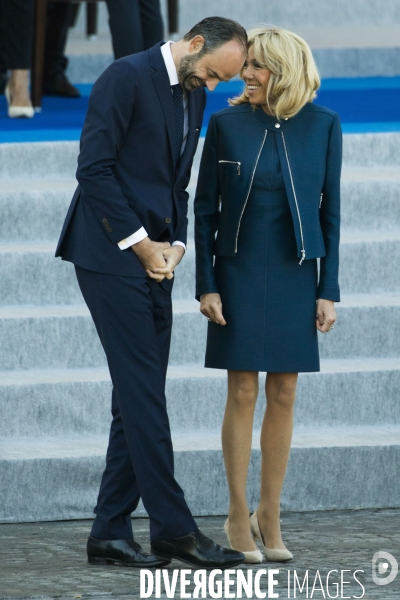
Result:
{"points": [[274, 554], [252, 557], [17, 112]]}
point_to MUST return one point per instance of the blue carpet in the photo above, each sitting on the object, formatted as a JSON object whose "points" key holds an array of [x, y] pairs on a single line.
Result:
{"points": [[364, 104]]}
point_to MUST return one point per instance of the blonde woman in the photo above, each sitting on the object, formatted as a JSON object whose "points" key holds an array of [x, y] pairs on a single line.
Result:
{"points": [[267, 206]]}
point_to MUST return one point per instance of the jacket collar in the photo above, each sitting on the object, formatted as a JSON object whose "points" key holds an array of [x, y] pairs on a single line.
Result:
{"points": [[156, 58], [268, 121]]}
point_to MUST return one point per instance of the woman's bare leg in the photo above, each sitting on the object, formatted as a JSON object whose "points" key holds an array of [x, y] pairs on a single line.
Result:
{"points": [[19, 88], [236, 443], [276, 437]]}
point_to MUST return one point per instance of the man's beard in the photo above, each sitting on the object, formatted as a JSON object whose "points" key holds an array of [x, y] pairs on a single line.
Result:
{"points": [[186, 74]]}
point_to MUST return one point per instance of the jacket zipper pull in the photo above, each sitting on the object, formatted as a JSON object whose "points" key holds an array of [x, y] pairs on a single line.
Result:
{"points": [[320, 200], [238, 168], [303, 255]]}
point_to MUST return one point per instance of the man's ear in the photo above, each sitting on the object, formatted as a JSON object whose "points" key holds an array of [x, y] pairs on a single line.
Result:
{"points": [[196, 44]]}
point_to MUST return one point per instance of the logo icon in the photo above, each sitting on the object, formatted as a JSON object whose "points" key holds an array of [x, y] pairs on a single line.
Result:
{"points": [[381, 563]]}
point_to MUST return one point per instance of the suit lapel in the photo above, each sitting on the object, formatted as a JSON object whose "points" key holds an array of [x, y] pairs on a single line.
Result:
{"points": [[163, 89]]}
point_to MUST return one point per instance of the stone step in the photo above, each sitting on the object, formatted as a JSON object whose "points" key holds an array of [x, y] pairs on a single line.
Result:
{"points": [[348, 392], [368, 262], [375, 61], [36, 160], [63, 336], [52, 160], [328, 469], [31, 275], [34, 210], [370, 198]]}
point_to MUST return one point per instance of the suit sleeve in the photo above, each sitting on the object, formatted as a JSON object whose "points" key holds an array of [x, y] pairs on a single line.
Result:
{"points": [[110, 110], [181, 233], [206, 209], [328, 287]]}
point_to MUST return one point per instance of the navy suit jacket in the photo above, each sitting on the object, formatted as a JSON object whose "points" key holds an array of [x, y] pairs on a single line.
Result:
{"points": [[126, 167], [312, 143]]}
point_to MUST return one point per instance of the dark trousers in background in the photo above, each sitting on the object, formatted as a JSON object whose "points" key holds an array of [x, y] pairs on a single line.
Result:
{"points": [[16, 33], [59, 19], [133, 318], [135, 25]]}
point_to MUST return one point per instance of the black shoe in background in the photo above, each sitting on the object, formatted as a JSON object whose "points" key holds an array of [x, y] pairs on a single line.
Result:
{"points": [[58, 85], [127, 553], [197, 550]]}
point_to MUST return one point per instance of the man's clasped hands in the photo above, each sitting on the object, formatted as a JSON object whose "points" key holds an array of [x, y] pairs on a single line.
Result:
{"points": [[158, 258]]}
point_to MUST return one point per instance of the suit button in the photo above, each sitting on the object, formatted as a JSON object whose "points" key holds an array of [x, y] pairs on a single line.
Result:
{"points": [[168, 220], [277, 125], [104, 221]]}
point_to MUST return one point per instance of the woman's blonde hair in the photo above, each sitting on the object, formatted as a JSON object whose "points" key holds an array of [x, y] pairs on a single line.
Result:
{"points": [[294, 74]]}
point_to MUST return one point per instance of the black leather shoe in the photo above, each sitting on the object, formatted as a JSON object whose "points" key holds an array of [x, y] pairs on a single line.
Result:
{"points": [[121, 552], [197, 550], [59, 85]]}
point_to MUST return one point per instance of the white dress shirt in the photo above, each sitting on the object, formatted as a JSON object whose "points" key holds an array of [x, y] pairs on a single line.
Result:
{"points": [[141, 233]]}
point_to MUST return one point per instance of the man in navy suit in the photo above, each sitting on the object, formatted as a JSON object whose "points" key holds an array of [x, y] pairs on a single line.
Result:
{"points": [[125, 232]]}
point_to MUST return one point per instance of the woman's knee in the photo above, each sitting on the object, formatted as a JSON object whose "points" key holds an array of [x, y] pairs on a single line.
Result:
{"points": [[281, 389], [243, 389]]}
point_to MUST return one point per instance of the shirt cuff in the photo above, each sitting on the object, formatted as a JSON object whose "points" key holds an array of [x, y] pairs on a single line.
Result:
{"points": [[179, 244], [135, 238]]}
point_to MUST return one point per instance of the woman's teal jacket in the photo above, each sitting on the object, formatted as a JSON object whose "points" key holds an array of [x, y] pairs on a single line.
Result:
{"points": [[310, 151]]}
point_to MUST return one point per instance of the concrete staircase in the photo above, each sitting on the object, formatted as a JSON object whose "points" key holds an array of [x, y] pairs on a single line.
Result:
{"points": [[55, 388]]}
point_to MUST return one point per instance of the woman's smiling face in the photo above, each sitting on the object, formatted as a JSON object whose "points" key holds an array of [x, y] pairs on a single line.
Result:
{"points": [[256, 78]]}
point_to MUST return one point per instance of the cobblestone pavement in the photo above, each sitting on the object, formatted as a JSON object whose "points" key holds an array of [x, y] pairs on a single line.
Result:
{"points": [[48, 560]]}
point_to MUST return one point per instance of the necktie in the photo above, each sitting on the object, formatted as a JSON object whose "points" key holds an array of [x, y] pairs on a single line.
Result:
{"points": [[179, 120]]}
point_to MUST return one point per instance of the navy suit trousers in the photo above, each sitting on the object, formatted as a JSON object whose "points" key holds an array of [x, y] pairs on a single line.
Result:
{"points": [[133, 318]]}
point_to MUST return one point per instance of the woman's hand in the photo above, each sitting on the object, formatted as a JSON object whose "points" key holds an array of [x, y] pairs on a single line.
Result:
{"points": [[326, 315], [211, 307]]}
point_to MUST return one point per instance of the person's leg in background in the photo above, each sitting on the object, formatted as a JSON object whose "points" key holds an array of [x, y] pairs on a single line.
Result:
{"points": [[152, 23], [59, 19], [125, 27], [3, 68], [135, 25], [18, 35]]}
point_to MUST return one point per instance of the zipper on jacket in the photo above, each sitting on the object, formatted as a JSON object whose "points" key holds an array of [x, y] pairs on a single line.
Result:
{"points": [[233, 162], [320, 200], [303, 252], [249, 190]]}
